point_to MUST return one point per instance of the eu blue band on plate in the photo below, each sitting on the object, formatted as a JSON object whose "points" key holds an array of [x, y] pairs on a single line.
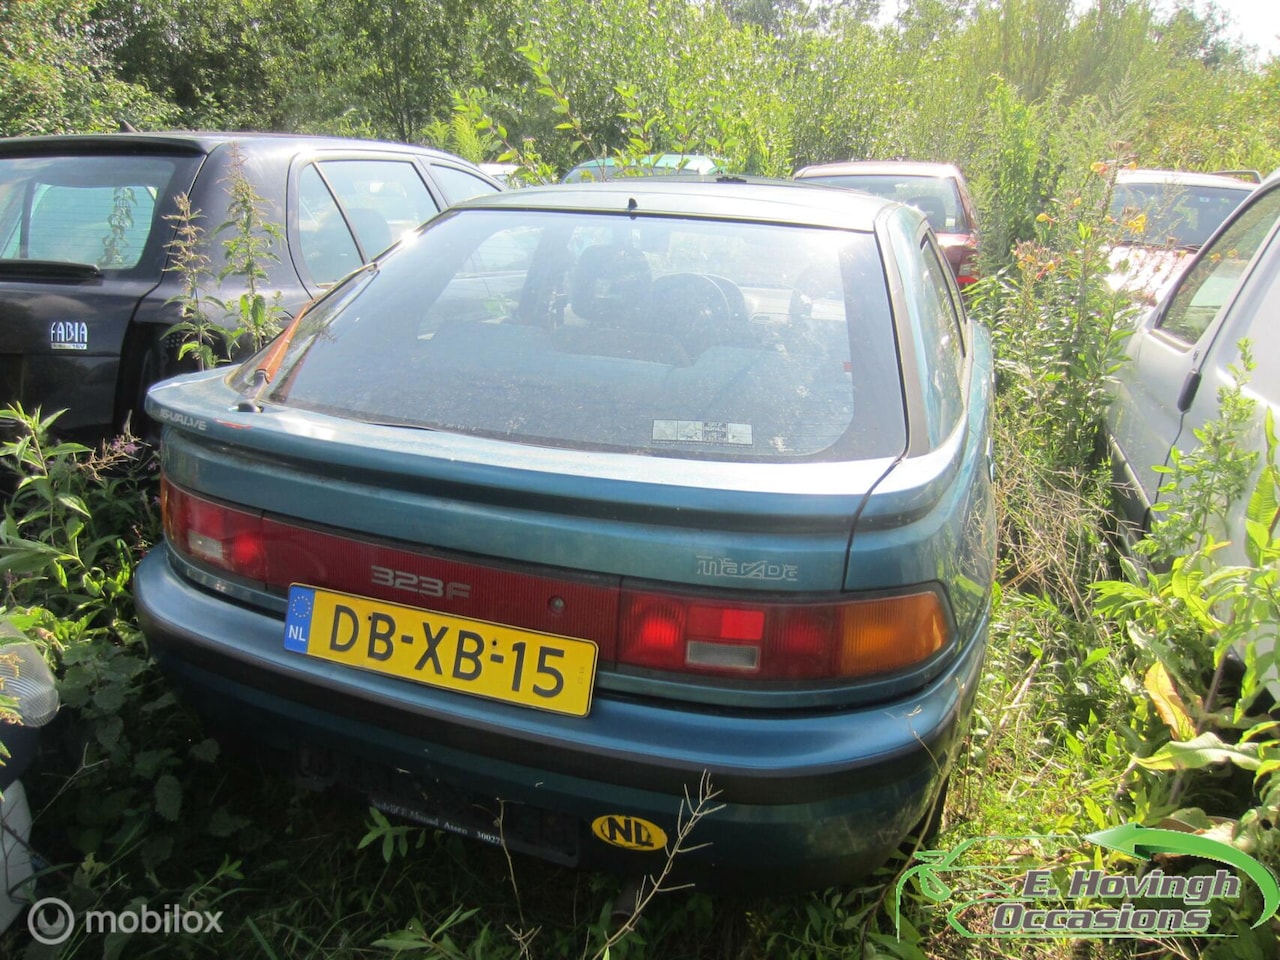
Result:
{"points": [[297, 626]]}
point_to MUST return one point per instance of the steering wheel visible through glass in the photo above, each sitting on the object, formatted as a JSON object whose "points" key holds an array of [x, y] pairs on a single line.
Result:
{"points": [[693, 308]]}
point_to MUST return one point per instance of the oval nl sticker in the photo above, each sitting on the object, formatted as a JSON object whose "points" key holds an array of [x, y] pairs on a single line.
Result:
{"points": [[630, 833]]}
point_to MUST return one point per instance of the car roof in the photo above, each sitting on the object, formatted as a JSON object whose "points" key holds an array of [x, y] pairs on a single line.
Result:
{"points": [[197, 142], [725, 197], [906, 168], [696, 162], [1188, 178]]}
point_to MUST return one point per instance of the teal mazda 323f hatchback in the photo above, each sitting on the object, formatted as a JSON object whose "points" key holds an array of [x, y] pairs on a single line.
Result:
{"points": [[581, 494]]}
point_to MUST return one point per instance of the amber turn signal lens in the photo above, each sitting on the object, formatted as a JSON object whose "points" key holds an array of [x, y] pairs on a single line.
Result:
{"points": [[891, 633]]}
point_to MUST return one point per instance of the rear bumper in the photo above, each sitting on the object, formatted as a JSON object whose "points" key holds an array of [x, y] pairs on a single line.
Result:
{"points": [[809, 799]]}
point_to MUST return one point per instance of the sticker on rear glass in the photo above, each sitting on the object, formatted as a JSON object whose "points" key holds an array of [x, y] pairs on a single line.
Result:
{"points": [[69, 335], [701, 431]]}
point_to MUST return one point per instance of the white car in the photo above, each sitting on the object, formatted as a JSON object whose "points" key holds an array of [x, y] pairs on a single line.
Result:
{"points": [[502, 172], [1180, 357], [1166, 215]]}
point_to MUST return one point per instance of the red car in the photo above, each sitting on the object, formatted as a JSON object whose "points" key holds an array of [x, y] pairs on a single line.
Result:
{"points": [[938, 190]]}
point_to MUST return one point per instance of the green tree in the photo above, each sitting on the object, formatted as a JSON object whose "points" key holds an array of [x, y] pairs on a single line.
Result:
{"points": [[845, 92], [226, 64], [56, 76], [389, 69]]}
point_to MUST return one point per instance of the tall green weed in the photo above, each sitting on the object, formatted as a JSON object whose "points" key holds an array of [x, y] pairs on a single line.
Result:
{"points": [[1059, 334], [1186, 617], [76, 520], [211, 328]]}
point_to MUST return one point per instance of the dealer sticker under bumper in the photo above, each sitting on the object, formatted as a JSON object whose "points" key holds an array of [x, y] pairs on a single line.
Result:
{"points": [[525, 667]]}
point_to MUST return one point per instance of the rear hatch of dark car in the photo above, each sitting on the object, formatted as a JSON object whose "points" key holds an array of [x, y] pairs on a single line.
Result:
{"points": [[83, 235]]}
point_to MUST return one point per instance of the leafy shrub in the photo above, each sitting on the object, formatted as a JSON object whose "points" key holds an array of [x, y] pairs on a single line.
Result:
{"points": [[1184, 617], [1059, 333]]}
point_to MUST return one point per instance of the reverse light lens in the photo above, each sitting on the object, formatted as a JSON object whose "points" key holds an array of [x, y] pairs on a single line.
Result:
{"points": [[726, 656]]}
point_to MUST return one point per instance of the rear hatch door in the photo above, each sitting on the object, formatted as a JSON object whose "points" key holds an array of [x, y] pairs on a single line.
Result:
{"points": [[83, 237]]}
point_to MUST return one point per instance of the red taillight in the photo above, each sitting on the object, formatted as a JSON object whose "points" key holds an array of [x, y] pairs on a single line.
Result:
{"points": [[656, 627], [774, 640], [213, 533], [780, 640], [804, 642], [966, 267], [726, 623], [962, 253]]}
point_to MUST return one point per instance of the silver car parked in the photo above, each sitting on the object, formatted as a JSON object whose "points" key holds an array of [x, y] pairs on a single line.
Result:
{"points": [[1182, 354]]}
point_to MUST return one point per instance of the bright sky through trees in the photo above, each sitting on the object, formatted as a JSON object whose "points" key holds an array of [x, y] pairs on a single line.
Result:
{"points": [[1257, 22]]}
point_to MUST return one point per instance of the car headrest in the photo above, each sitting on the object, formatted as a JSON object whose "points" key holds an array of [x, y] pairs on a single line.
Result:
{"points": [[609, 284], [933, 209]]}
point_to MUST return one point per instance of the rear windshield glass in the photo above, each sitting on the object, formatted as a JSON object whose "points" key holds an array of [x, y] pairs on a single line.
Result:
{"points": [[99, 210], [1172, 214], [938, 198], [668, 337]]}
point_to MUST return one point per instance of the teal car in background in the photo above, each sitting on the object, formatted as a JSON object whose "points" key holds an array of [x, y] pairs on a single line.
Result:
{"points": [[653, 164], [583, 493]]}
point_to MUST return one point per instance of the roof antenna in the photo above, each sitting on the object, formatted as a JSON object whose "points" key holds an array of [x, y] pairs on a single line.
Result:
{"points": [[632, 206], [125, 126]]}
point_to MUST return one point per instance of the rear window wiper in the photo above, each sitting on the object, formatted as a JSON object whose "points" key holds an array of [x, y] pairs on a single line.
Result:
{"points": [[250, 399], [48, 270]]}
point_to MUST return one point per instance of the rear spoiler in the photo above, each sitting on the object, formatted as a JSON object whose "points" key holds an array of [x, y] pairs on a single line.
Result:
{"points": [[1249, 176]]}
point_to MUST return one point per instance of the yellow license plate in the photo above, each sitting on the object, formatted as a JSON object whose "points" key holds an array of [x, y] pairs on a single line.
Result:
{"points": [[533, 669]]}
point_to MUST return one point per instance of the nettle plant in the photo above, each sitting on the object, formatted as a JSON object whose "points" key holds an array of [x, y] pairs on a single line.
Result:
{"points": [[211, 327], [1188, 614]]}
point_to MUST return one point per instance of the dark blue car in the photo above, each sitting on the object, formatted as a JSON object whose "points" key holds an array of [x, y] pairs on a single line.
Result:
{"points": [[580, 493], [88, 283]]}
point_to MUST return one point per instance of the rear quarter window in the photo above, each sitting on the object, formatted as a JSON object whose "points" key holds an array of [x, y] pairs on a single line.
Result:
{"points": [[935, 328], [660, 336], [458, 185], [352, 210]]}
